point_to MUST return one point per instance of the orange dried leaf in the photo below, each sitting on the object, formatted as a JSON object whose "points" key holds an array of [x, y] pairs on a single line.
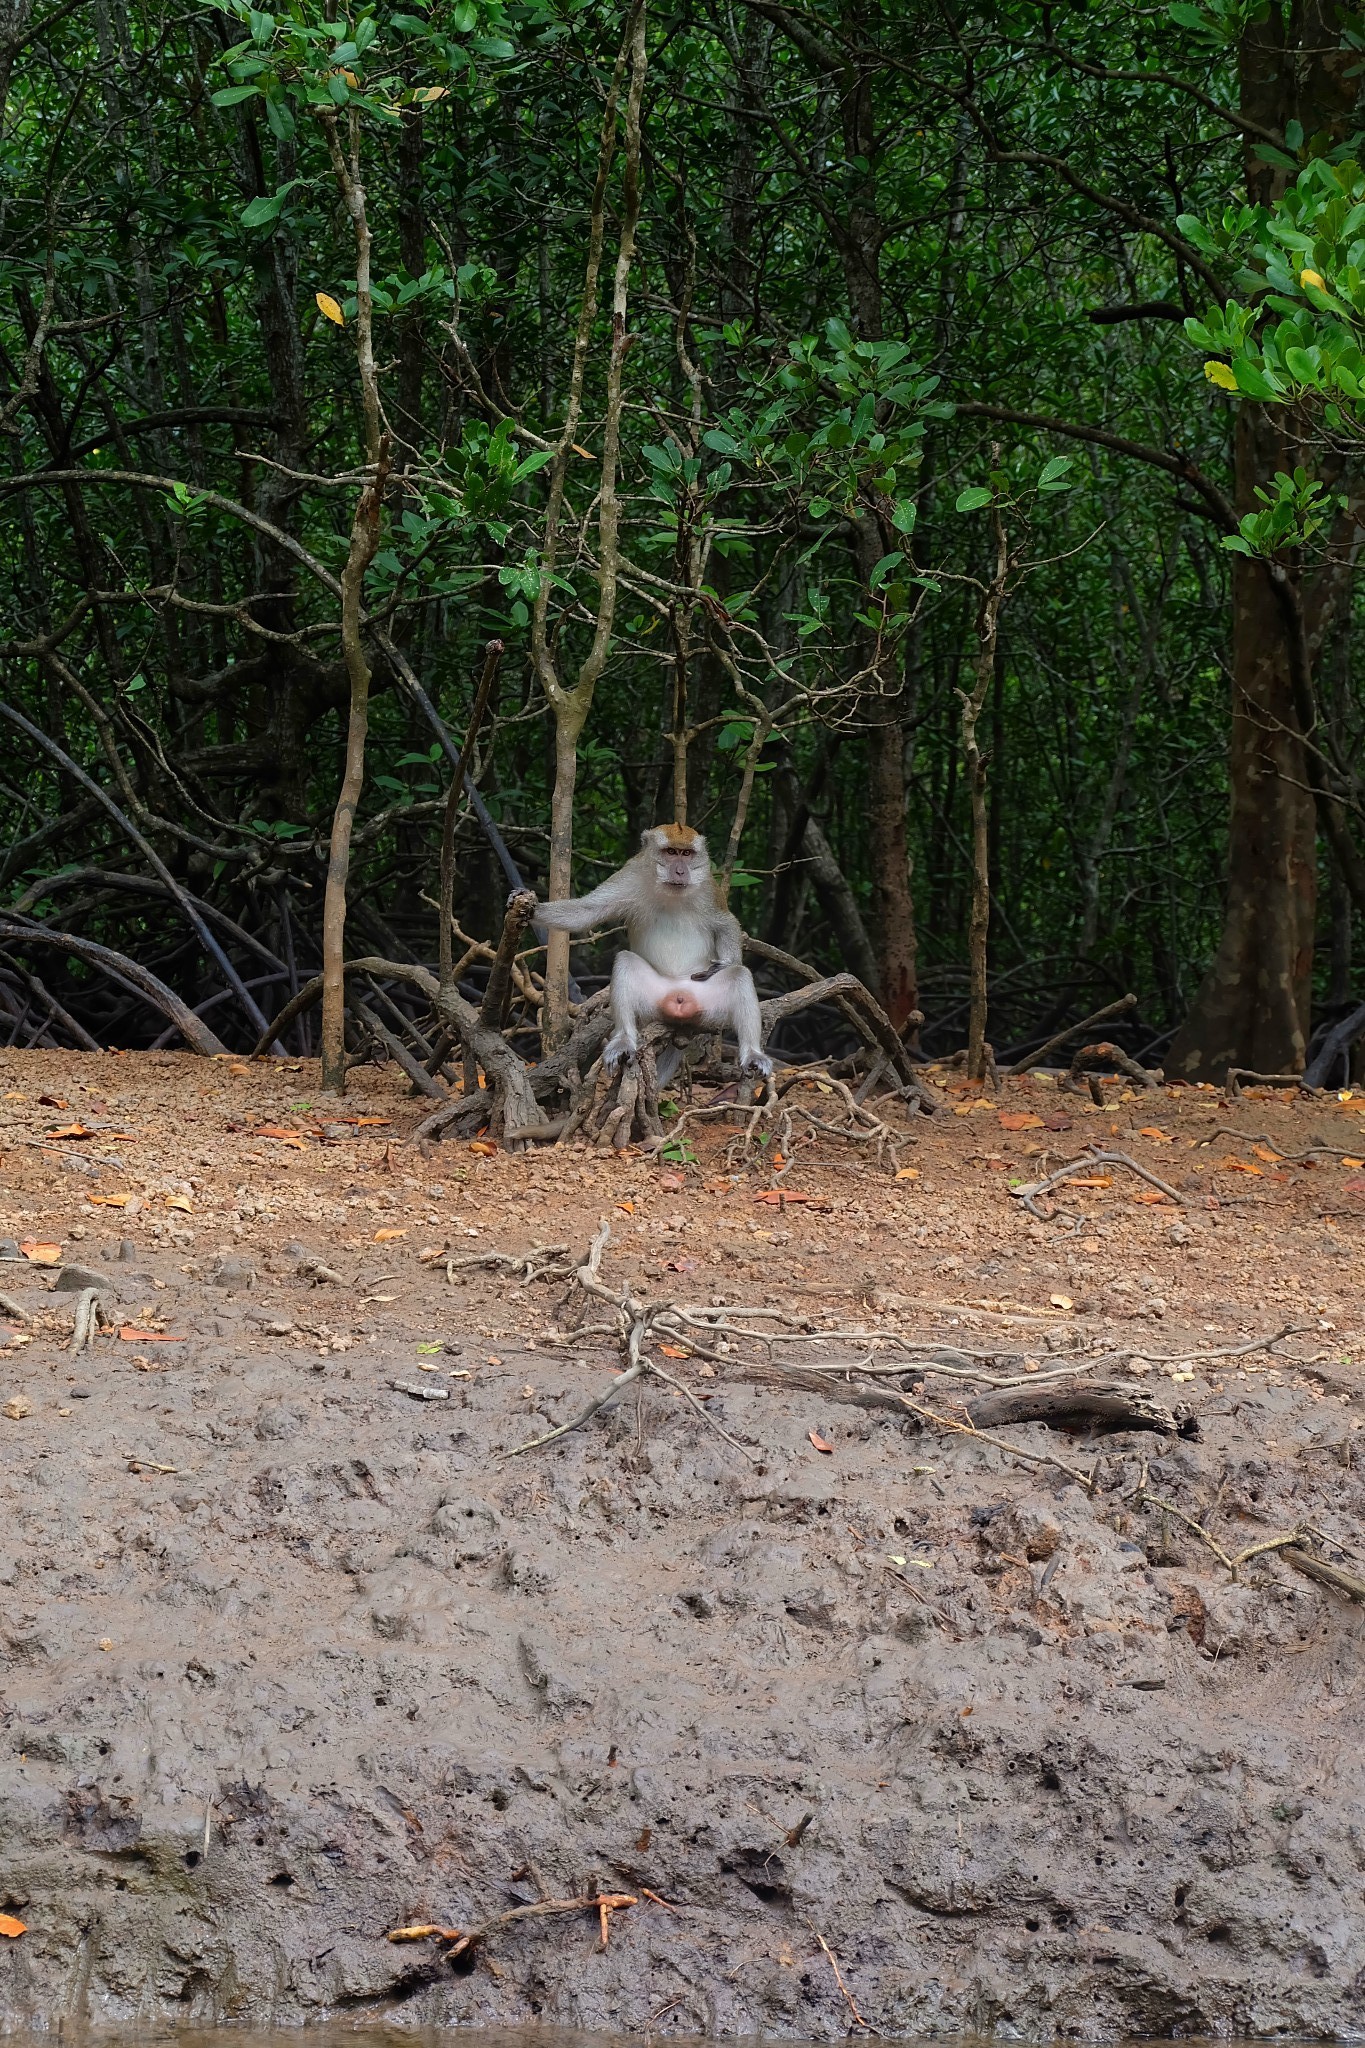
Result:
{"points": [[72, 1131], [776, 1196], [1355, 1187], [110, 1201], [130, 1334], [278, 1131], [11, 1927], [1153, 1195], [363, 1123], [819, 1442], [423, 1932], [674, 1351], [484, 1147], [626, 1208], [907, 1173], [1264, 1152], [40, 1253], [179, 1202], [1092, 1180], [387, 1236], [1231, 1165], [1151, 1131], [1020, 1120]]}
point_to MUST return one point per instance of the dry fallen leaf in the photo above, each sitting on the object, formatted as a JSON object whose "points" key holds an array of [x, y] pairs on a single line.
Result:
{"points": [[1061, 1301], [1231, 1165], [130, 1334], [1355, 1187], [1155, 1195], [907, 1173], [329, 308], [277, 1131], [626, 1208], [1151, 1131], [11, 1927], [672, 1183], [673, 1351], [1351, 1163], [39, 1252], [387, 1236], [1264, 1152], [1057, 1122], [484, 1147], [819, 1442], [1092, 1180], [109, 1201], [179, 1202], [423, 1932], [1020, 1120], [776, 1196]]}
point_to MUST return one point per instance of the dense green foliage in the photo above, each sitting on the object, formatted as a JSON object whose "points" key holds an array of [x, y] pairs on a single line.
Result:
{"points": [[871, 248]]}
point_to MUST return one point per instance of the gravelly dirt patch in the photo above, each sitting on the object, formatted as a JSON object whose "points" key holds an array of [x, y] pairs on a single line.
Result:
{"points": [[289, 1658]]}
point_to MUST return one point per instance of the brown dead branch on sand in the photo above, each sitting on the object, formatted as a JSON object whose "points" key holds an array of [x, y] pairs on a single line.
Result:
{"points": [[461, 1940]]}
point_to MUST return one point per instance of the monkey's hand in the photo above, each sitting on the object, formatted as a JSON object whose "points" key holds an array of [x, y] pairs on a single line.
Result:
{"points": [[758, 1063], [707, 972]]}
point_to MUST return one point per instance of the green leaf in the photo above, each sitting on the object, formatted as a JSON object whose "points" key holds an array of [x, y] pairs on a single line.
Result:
{"points": [[723, 443], [903, 516], [972, 499], [1254, 382], [263, 210], [1057, 467], [233, 95]]}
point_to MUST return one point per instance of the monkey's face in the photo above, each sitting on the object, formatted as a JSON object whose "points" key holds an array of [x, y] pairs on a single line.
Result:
{"points": [[680, 861]]}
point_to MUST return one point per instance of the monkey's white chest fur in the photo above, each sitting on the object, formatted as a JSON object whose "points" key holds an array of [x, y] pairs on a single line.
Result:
{"points": [[675, 944]]}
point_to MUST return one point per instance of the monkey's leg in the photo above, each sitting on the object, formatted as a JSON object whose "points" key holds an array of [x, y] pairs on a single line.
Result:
{"points": [[735, 1001], [635, 994]]}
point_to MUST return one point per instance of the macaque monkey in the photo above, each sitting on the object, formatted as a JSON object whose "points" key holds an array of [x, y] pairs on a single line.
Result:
{"points": [[683, 965]]}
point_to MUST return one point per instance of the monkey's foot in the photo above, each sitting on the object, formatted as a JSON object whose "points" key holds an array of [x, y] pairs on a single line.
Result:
{"points": [[756, 1063], [616, 1052]]}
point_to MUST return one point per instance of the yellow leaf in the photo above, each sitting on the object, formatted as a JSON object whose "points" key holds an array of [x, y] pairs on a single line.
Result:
{"points": [[1353, 1162], [1219, 374], [907, 1173], [1307, 277], [482, 1147], [179, 1202], [110, 1201], [427, 95], [329, 308], [1061, 1301], [386, 1236]]}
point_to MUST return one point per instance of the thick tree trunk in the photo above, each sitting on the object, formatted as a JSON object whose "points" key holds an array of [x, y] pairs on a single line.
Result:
{"points": [[1252, 1009]]}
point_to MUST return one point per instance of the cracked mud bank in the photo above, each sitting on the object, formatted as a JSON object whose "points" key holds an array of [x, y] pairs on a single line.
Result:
{"points": [[289, 1659]]}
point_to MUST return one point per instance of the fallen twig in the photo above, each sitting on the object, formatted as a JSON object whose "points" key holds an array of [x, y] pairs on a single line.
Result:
{"points": [[463, 1939], [838, 1978], [1029, 1191]]}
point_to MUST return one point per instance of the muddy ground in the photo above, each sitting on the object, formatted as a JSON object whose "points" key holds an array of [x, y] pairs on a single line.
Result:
{"points": [[906, 1729]]}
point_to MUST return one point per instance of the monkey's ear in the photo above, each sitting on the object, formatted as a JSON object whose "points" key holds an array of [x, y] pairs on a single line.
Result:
{"points": [[647, 837]]}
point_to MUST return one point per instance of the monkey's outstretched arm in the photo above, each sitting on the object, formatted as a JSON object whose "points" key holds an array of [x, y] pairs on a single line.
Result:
{"points": [[607, 904]]}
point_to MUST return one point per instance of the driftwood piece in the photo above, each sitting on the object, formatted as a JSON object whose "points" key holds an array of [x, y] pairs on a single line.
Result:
{"points": [[1235, 1076], [1124, 1404], [1059, 1038], [1326, 1574], [1093, 1059]]}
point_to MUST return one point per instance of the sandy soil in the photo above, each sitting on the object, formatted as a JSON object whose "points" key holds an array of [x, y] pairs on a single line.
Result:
{"points": [[907, 1727]]}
